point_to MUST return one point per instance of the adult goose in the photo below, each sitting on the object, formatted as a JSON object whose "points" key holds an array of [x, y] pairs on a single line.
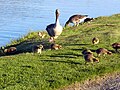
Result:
{"points": [[54, 30], [76, 19]]}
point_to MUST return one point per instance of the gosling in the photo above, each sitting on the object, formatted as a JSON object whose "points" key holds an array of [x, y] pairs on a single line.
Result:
{"points": [[116, 46], [95, 40], [41, 35], [90, 58], [55, 46], [10, 50], [2, 51], [37, 48], [103, 51]]}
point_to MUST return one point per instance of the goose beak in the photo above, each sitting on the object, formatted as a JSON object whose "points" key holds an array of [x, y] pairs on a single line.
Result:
{"points": [[57, 11]]}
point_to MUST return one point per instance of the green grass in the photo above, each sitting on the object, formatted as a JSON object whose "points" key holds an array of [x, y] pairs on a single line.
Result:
{"points": [[56, 69]]}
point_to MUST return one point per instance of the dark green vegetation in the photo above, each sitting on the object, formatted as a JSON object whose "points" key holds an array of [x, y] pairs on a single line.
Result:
{"points": [[56, 69]]}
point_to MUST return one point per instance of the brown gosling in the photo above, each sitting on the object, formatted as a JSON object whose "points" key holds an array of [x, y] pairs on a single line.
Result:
{"points": [[116, 46], [90, 58], [41, 35], [55, 46], [10, 50], [95, 40], [37, 48], [103, 51]]}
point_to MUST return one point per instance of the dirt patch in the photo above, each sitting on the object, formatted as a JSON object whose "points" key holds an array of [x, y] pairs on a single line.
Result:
{"points": [[106, 82]]}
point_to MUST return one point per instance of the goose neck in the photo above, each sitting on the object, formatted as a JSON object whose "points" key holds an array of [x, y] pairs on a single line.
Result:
{"points": [[57, 20]]}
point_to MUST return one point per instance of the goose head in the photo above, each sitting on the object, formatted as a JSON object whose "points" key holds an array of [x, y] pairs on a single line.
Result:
{"points": [[57, 13]]}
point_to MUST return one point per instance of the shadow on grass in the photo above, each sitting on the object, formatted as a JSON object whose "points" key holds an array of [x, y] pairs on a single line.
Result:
{"points": [[27, 66], [79, 44], [76, 44], [113, 51], [66, 55], [25, 46], [60, 61], [77, 49]]}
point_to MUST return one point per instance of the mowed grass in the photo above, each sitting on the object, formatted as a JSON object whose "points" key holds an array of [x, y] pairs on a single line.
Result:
{"points": [[55, 69]]}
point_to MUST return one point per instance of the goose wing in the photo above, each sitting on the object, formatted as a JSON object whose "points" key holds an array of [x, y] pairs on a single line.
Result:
{"points": [[50, 30]]}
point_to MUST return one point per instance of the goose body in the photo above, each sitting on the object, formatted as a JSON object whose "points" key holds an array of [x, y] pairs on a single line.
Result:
{"points": [[54, 30], [76, 19]]}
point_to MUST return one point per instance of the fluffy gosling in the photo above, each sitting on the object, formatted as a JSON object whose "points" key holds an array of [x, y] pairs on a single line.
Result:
{"points": [[37, 48], [2, 51], [95, 40], [103, 51], [116, 46], [90, 58], [10, 50], [41, 35], [55, 46]]}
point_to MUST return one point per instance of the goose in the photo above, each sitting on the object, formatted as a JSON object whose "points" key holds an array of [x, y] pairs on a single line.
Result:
{"points": [[2, 51], [10, 50], [90, 58], [55, 46], [116, 46], [54, 30], [103, 51], [76, 19], [37, 48], [41, 35], [95, 40]]}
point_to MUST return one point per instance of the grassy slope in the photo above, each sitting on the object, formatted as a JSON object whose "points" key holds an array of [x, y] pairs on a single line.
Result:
{"points": [[55, 69]]}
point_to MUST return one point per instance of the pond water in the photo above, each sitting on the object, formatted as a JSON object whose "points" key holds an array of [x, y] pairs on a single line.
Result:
{"points": [[18, 17]]}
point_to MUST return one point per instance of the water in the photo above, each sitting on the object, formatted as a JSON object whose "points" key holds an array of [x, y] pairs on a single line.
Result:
{"points": [[18, 17]]}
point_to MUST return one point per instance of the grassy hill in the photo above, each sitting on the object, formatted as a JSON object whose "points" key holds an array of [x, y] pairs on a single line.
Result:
{"points": [[54, 69]]}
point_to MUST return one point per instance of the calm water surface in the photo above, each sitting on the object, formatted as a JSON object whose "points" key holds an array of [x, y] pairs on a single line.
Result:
{"points": [[18, 17]]}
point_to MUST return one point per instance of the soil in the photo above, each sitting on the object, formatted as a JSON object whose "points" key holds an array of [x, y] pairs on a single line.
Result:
{"points": [[106, 82]]}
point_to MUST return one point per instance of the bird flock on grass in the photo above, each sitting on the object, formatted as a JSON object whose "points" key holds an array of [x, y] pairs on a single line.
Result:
{"points": [[54, 30]]}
